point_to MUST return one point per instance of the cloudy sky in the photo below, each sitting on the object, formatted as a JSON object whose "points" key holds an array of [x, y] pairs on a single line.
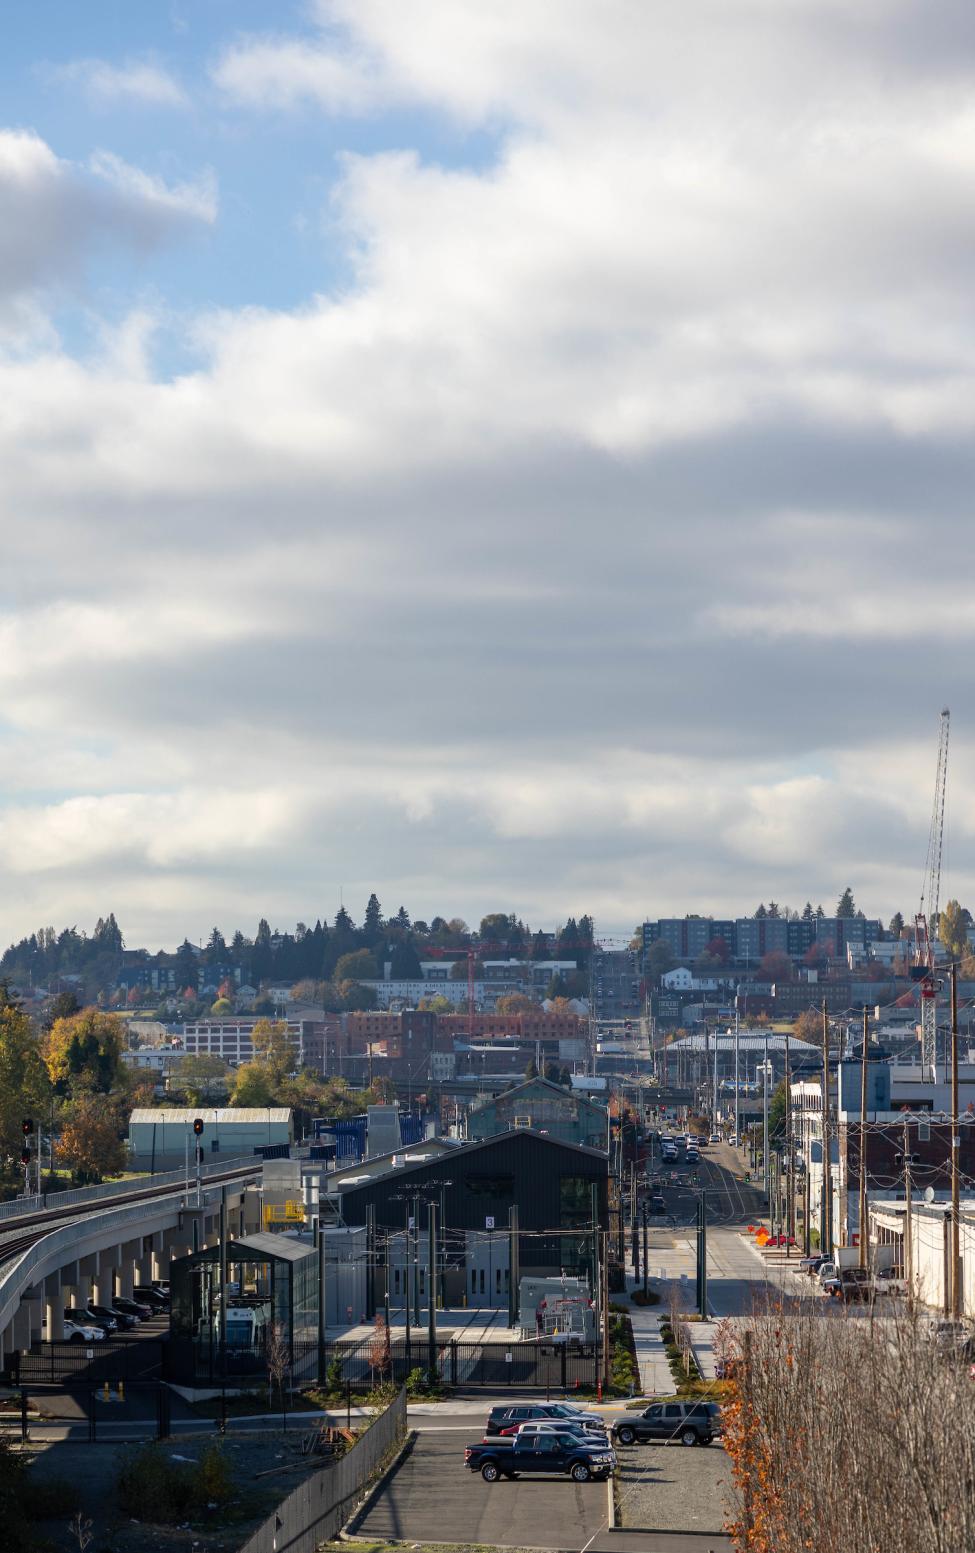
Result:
{"points": [[510, 455]]}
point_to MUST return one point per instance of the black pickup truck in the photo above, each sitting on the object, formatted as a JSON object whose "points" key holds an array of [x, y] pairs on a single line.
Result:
{"points": [[562, 1454]]}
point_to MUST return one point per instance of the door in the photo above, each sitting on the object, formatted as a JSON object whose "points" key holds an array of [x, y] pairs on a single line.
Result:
{"points": [[488, 1263]]}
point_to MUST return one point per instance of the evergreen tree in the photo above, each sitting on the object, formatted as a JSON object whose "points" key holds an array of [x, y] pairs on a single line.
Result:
{"points": [[403, 919], [895, 926], [372, 925], [845, 906], [761, 913], [807, 912]]}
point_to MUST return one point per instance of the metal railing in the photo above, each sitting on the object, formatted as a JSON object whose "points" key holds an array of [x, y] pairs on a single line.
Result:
{"points": [[18, 1207], [319, 1507]]}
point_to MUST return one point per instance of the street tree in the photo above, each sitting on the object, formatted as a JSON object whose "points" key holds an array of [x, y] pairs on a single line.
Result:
{"points": [[202, 1077], [24, 1083], [252, 1086], [273, 1046], [358, 965], [84, 1051], [91, 1137], [776, 965], [953, 930]]}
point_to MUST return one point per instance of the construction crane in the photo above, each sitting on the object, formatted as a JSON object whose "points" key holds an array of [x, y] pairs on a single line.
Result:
{"points": [[926, 920]]}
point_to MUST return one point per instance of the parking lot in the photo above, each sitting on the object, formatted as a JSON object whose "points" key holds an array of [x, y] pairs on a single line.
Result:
{"points": [[672, 1488], [432, 1497]]}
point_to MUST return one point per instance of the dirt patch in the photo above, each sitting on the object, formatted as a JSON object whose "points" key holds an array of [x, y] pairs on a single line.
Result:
{"points": [[87, 1476]]}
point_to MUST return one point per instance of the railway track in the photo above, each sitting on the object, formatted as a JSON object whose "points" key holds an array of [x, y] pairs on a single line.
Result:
{"points": [[33, 1227]]}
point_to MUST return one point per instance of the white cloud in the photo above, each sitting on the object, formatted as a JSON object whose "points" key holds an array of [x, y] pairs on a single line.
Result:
{"points": [[139, 81], [197, 200], [600, 543], [54, 213]]}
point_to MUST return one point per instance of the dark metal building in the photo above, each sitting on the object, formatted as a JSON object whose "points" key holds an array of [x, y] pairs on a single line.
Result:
{"points": [[554, 1186]]}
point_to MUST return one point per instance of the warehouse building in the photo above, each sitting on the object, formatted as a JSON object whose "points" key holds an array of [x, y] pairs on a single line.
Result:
{"points": [[543, 1107], [163, 1139], [473, 1188]]}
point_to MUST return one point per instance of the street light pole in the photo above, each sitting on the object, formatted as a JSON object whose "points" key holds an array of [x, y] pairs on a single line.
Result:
{"points": [[862, 1216], [955, 1152]]}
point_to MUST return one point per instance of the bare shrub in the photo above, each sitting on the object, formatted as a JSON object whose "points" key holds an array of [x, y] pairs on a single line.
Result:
{"points": [[849, 1429]]}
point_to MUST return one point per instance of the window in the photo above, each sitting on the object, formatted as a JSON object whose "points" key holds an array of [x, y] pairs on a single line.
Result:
{"points": [[575, 1202]]}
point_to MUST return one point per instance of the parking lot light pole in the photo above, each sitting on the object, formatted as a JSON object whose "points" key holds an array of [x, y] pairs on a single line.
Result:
{"points": [[432, 1289]]}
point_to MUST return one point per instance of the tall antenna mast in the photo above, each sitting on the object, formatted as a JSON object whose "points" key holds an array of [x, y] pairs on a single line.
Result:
{"points": [[926, 920]]}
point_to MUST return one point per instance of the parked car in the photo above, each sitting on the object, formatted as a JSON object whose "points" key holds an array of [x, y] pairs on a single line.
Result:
{"points": [[104, 1317], [82, 1332], [715, 1137], [854, 1283], [155, 1298], [505, 1415], [85, 1318], [562, 1454], [826, 1270], [546, 1426], [692, 1423], [812, 1264], [123, 1320], [952, 1338], [137, 1308]]}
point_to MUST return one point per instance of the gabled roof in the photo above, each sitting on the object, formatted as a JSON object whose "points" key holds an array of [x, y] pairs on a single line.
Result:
{"points": [[534, 1084], [520, 1136]]}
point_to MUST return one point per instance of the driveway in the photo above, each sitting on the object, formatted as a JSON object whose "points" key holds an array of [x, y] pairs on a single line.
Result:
{"points": [[432, 1497]]}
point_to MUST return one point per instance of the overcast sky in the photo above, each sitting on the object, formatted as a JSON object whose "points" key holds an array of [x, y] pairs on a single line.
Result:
{"points": [[510, 456]]}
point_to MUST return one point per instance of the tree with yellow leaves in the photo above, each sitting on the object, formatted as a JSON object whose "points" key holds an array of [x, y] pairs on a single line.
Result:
{"points": [[84, 1052]]}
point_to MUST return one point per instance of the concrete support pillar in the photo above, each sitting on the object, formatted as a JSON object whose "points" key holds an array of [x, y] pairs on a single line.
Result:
{"points": [[54, 1316], [103, 1288], [21, 1329], [124, 1281], [82, 1292]]}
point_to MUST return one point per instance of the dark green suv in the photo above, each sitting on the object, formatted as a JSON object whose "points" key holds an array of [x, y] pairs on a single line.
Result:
{"points": [[692, 1423]]}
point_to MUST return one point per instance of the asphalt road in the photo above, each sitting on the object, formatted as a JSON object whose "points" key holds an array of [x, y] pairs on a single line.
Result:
{"points": [[432, 1497]]}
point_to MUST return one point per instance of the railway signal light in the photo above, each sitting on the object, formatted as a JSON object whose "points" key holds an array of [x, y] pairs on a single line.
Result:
{"points": [[198, 1126], [27, 1126], [25, 1155]]}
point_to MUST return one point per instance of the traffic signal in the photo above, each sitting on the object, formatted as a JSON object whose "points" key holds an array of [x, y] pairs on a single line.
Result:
{"points": [[27, 1125], [198, 1126], [25, 1155]]}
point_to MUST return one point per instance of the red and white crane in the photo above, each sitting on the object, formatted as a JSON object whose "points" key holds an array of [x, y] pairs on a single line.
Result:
{"points": [[926, 920]]}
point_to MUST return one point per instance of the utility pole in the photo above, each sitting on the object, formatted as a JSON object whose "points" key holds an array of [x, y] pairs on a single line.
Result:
{"points": [[806, 1205], [702, 1256], [862, 1238], [514, 1271], [765, 1159], [826, 1211], [415, 1249], [790, 1159], [432, 1288], [605, 1304], [322, 1307], [646, 1249], [955, 1154], [908, 1225], [737, 1023]]}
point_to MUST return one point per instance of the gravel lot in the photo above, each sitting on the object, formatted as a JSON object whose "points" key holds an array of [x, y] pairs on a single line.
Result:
{"points": [[673, 1488]]}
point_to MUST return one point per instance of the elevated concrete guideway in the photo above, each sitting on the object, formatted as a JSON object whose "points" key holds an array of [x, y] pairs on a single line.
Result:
{"points": [[104, 1253]]}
